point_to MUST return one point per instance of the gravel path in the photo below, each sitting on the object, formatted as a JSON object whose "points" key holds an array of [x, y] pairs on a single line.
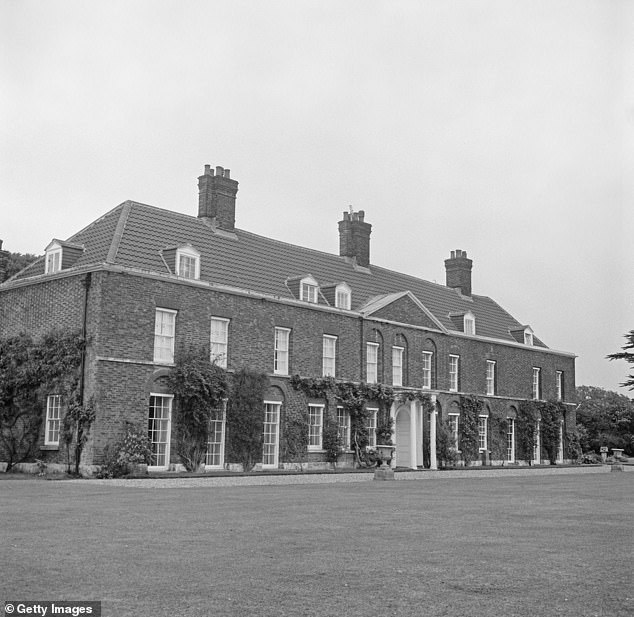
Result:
{"points": [[332, 478]]}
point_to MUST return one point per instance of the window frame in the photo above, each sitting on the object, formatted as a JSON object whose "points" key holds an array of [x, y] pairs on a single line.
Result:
{"points": [[221, 444], [188, 252], [326, 360], [53, 259], [275, 454], [537, 383], [343, 423], [483, 438], [343, 292], [453, 420], [428, 357], [510, 440], [222, 357], [559, 385], [491, 369], [167, 430], [281, 356], [159, 335], [53, 423], [398, 352], [469, 324], [371, 425], [316, 436], [454, 375], [368, 375], [309, 290]]}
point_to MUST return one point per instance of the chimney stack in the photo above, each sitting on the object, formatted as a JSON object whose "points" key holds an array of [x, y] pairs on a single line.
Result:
{"points": [[458, 268], [354, 237], [217, 197]]}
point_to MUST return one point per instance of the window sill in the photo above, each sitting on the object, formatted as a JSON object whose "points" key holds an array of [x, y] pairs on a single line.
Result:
{"points": [[50, 446]]}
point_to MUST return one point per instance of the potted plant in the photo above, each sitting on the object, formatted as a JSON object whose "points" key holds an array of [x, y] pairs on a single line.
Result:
{"points": [[384, 446]]}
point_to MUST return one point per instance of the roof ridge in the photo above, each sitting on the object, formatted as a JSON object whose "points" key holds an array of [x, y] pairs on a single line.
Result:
{"points": [[118, 233]]}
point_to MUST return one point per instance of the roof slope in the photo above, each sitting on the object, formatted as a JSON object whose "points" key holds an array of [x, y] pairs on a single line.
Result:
{"points": [[134, 235]]}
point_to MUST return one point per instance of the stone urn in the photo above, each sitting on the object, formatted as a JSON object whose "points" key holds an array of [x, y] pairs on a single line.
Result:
{"points": [[385, 453]]}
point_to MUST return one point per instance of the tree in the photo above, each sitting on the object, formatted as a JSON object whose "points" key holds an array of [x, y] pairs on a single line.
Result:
{"points": [[628, 356], [199, 387], [606, 419], [15, 263]]}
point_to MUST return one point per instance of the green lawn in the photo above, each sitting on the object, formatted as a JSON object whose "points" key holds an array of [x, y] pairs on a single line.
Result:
{"points": [[530, 546]]}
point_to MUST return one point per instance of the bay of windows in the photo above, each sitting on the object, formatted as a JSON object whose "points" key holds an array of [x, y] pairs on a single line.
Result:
{"points": [[371, 426], [490, 377], [159, 427], [343, 422], [537, 385], [482, 433], [453, 420], [270, 447]]}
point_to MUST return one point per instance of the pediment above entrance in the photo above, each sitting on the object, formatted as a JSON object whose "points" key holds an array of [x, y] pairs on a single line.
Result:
{"points": [[403, 308]]}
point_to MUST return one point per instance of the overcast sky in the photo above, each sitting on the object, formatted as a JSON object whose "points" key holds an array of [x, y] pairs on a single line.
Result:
{"points": [[501, 128]]}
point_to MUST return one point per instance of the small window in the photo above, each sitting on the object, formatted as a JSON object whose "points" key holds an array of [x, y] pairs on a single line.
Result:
{"points": [[371, 426], [315, 425], [372, 362], [454, 367], [482, 433], [164, 332], [537, 383], [397, 366], [528, 337], [469, 324], [329, 360], [53, 420], [427, 363], [219, 341], [343, 297], [308, 290], [188, 263], [490, 378], [343, 421], [280, 360], [53, 258]]}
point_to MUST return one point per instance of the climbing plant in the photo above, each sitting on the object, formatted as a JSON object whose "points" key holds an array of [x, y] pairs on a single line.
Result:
{"points": [[29, 370], [526, 424], [471, 407], [199, 386], [245, 417]]}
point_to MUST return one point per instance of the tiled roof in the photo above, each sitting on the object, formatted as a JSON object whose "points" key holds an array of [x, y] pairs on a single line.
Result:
{"points": [[133, 235]]}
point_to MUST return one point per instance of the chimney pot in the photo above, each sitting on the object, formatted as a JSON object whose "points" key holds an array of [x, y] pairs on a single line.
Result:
{"points": [[217, 197], [458, 271], [354, 237]]}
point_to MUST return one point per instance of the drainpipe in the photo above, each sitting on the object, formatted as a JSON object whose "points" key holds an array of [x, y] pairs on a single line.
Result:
{"points": [[84, 329]]}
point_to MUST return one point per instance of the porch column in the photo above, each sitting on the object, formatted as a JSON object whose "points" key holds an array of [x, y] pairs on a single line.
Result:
{"points": [[433, 463], [412, 435]]}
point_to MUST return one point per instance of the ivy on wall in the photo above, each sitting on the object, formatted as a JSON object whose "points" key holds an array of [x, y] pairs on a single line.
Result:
{"points": [[471, 408], [199, 386], [29, 371]]}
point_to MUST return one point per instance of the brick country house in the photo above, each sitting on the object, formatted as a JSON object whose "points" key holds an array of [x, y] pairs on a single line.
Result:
{"points": [[143, 281]]}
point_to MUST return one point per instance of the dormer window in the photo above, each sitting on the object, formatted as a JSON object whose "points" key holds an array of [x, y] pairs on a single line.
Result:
{"points": [[188, 262], [343, 297], [308, 290], [528, 337], [53, 258], [469, 324]]}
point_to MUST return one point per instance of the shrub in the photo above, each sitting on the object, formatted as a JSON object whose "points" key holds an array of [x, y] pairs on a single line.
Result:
{"points": [[133, 449]]}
